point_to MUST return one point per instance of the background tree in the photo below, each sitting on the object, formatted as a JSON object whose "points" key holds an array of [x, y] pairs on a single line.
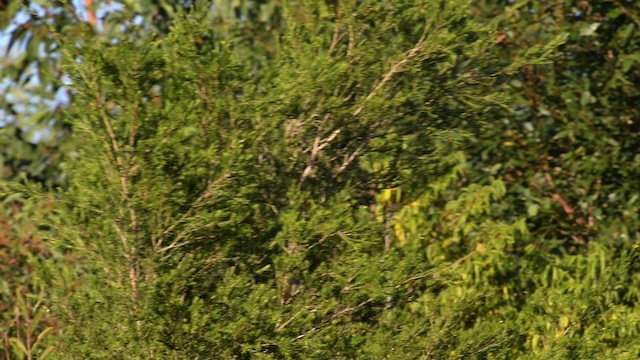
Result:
{"points": [[568, 149]]}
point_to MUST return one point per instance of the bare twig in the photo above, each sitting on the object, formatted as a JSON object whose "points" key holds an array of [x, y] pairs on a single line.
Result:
{"points": [[133, 278], [317, 147], [350, 158], [397, 67], [433, 271], [352, 41], [319, 242], [349, 309], [564, 203], [280, 327], [305, 334], [336, 34], [114, 142]]}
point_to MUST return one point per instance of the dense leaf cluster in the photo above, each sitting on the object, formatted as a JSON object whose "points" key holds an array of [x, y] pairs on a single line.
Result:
{"points": [[340, 179]]}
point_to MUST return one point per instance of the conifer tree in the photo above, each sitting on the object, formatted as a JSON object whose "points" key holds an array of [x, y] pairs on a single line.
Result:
{"points": [[221, 214]]}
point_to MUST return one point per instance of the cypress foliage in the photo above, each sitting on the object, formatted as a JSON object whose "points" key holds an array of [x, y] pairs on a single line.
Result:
{"points": [[216, 212]]}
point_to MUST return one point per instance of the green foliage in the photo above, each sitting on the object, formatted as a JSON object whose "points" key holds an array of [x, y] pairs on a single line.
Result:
{"points": [[342, 179], [216, 211], [26, 324], [568, 149]]}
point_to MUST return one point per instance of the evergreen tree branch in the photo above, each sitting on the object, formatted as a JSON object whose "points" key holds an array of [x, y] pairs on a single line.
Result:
{"points": [[396, 68], [350, 158], [283, 325], [210, 189], [318, 145], [124, 183]]}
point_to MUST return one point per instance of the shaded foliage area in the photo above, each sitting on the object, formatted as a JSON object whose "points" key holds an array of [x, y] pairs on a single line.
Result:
{"points": [[569, 148]]}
